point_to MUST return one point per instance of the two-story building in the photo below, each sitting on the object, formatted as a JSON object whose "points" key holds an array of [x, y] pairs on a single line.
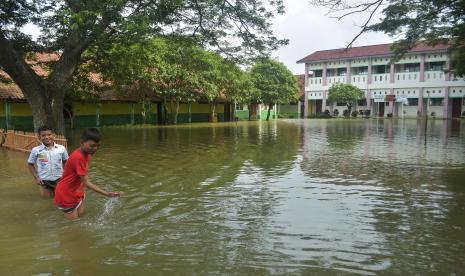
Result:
{"points": [[418, 84]]}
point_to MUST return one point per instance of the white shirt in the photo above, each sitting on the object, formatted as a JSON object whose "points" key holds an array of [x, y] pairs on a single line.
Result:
{"points": [[49, 162]]}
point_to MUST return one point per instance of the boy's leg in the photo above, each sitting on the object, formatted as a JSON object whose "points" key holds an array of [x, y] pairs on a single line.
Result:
{"points": [[44, 192], [81, 209], [72, 215]]}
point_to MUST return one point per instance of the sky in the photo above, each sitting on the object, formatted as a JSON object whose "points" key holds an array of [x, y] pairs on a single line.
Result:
{"points": [[309, 29]]}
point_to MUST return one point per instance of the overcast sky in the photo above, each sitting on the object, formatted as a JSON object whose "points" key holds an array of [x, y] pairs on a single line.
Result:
{"points": [[309, 29]]}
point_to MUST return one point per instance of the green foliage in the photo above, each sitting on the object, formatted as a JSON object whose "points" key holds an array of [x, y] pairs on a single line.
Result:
{"points": [[346, 93], [274, 83]]}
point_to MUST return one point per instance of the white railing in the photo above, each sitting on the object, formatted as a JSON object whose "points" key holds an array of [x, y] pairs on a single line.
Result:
{"points": [[315, 81], [380, 78], [434, 75], [332, 80], [407, 76], [359, 78]]}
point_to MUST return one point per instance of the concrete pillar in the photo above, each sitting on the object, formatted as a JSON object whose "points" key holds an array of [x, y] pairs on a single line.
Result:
{"points": [[447, 69], [325, 67], [446, 104], [422, 67], [368, 98], [97, 114], [7, 115], [305, 92], [348, 73], [132, 114], [323, 106], [420, 102], [370, 71], [391, 72], [391, 103]]}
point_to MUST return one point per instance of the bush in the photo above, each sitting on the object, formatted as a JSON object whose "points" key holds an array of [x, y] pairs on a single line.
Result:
{"points": [[354, 113], [389, 115], [463, 114], [345, 113], [367, 113], [433, 114], [335, 112], [327, 112]]}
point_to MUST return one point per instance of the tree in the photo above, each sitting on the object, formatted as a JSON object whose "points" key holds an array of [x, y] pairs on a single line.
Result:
{"points": [[71, 27], [346, 93], [431, 21], [274, 82]]}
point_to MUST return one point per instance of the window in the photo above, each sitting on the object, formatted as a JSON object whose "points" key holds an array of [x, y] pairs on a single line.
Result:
{"points": [[412, 101], [435, 66], [318, 73], [341, 71], [436, 101]]}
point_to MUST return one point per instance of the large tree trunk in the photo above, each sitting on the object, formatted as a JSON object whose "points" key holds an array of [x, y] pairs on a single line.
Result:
{"points": [[270, 106], [45, 96]]}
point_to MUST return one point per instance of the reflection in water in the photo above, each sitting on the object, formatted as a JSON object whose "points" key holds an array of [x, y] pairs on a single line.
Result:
{"points": [[298, 196]]}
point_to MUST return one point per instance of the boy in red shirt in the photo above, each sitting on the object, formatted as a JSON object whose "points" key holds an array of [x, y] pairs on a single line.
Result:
{"points": [[69, 193]]}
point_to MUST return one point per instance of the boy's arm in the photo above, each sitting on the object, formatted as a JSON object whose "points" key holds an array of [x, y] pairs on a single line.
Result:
{"points": [[30, 164], [92, 186], [32, 169]]}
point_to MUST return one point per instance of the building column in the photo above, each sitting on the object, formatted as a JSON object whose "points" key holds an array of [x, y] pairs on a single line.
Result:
{"points": [[132, 114], [305, 92], [370, 71], [391, 72], [323, 105], [7, 115], [391, 103], [97, 114], [447, 71], [422, 67], [348, 73], [325, 67], [420, 102], [368, 98], [446, 104]]}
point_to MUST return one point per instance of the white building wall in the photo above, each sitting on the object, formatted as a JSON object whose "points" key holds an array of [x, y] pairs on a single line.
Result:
{"points": [[406, 84]]}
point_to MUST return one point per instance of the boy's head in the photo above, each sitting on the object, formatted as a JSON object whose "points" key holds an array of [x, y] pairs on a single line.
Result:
{"points": [[90, 140], [46, 135]]}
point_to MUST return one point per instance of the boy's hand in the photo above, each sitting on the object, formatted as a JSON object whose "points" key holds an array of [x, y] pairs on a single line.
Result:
{"points": [[39, 181], [113, 194]]}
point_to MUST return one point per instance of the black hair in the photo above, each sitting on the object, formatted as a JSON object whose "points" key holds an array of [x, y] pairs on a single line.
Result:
{"points": [[91, 134], [43, 128]]}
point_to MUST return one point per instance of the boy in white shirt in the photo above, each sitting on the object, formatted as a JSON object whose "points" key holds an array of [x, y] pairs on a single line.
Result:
{"points": [[46, 162]]}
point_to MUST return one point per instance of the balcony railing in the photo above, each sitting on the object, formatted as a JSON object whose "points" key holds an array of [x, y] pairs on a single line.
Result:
{"points": [[359, 78], [379, 78], [332, 80], [407, 76], [315, 81], [434, 75]]}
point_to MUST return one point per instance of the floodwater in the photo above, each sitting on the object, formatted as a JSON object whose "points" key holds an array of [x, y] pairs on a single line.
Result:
{"points": [[312, 197]]}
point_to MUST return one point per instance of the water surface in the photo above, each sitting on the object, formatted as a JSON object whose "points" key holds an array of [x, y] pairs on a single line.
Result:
{"points": [[314, 197]]}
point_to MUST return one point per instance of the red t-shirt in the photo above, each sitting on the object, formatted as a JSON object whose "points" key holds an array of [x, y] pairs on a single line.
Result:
{"points": [[70, 190]]}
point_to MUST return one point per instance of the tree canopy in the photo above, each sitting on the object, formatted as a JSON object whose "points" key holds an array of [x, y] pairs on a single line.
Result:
{"points": [[274, 83], [434, 22], [237, 29], [345, 93]]}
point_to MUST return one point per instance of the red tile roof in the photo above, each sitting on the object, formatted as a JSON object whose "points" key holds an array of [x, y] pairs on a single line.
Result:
{"points": [[366, 51], [10, 92]]}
